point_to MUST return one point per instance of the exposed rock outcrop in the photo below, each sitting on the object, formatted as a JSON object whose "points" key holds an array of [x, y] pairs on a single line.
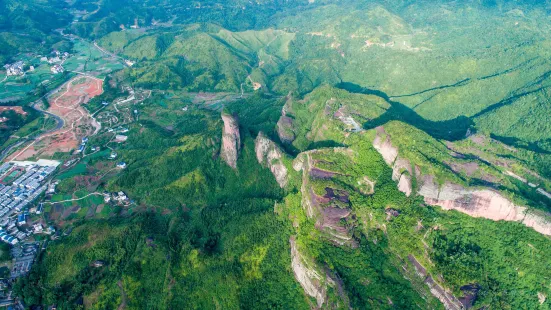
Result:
{"points": [[401, 168], [449, 301], [330, 209], [285, 124], [269, 155], [484, 203], [231, 140], [476, 202], [307, 275], [405, 184], [315, 280], [383, 145]]}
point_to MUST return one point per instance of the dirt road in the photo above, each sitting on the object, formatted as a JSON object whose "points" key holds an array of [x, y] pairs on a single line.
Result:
{"points": [[74, 122]]}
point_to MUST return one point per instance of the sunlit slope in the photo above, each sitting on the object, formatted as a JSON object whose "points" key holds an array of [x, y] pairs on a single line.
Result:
{"points": [[28, 25], [219, 60], [442, 60]]}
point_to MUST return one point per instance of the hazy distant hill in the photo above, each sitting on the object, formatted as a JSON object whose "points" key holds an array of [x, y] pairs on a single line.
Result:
{"points": [[26, 25]]}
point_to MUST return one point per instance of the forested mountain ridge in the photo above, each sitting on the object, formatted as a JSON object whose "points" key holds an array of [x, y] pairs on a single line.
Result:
{"points": [[407, 50], [306, 155], [25, 25]]}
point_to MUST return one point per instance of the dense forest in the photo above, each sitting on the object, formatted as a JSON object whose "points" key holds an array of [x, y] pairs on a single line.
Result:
{"points": [[388, 155]]}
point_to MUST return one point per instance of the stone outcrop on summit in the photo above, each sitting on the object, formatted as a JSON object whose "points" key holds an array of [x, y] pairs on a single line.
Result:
{"points": [[231, 140], [285, 126], [270, 155]]}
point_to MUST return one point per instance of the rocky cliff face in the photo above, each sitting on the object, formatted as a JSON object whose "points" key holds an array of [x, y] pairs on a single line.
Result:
{"points": [[401, 168], [484, 203], [231, 141], [285, 129], [308, 276], [330, 208], [269, 155], [449, 301]]}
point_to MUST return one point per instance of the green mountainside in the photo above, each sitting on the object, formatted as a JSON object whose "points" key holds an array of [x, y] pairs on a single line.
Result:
{"points": [[26, 25], [304, 155], [430, 63]]}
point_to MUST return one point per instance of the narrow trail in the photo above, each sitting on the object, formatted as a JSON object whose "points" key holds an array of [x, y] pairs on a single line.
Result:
{"points": [[76, 199], [124, 299]]}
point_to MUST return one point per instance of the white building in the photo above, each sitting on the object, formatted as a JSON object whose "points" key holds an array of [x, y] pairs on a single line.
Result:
{"points": [[14, 69], [57, 69]]}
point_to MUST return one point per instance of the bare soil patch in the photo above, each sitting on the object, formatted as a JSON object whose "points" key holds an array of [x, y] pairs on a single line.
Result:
{"points": [[67, 104]]}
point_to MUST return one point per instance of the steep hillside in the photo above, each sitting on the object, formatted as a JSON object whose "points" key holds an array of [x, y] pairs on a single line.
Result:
{"points": [[430, 58], [347, 189]]}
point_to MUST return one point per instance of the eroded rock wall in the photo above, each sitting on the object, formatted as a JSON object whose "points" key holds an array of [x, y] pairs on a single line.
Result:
{"points": [[449, 301], [308, 276], [231, 140], [401, 168], [269, 155], [476, 202]]}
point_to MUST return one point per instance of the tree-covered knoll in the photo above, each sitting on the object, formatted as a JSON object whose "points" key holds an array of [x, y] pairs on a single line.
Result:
{"points": [[28, 25]]}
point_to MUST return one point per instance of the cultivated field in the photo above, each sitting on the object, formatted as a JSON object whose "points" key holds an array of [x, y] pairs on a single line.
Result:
{"points": [[17, 109]]}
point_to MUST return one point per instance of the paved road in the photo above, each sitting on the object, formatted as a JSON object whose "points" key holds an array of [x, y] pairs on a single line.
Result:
{"points": [[58, 126]]}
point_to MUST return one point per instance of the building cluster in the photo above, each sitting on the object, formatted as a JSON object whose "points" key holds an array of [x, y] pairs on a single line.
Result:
{"points": [[38, 228], [119, 129], [15, 68], [11, 231], [117, 197], [57, 68], [57, 57], [56, 60], [24, 256], [16, 195], [82, 145]]}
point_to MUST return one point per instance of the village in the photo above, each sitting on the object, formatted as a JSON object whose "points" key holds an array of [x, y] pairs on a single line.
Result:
{"points": [[33, 209], [26, 187], [21, 184], [55, 61]]}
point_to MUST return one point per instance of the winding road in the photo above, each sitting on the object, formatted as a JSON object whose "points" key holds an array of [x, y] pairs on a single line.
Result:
{"points": [[59, 125], [59, 120]]}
